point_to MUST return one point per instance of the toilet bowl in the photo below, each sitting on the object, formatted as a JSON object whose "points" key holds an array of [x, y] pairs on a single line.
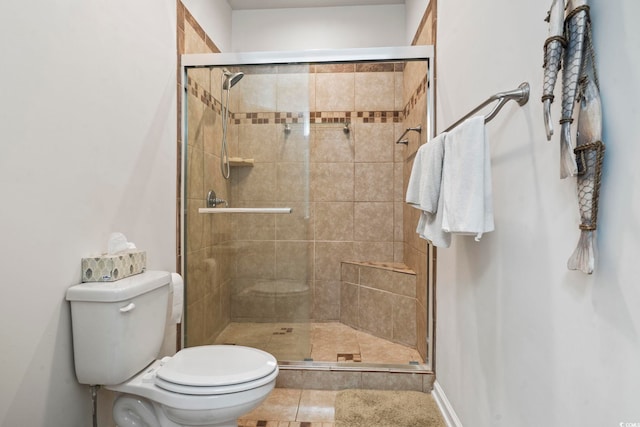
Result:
{"points": [[199, 386], [118, 329]]}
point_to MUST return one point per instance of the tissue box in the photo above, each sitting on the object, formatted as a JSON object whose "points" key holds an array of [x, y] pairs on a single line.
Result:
{"points": [[109, 268]]}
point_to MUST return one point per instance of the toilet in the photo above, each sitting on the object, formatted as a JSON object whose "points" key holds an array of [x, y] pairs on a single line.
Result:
{"points": [[118, 329]]}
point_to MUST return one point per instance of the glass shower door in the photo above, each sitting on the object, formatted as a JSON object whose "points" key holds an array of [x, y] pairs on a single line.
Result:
{"points": [[261, 263]]}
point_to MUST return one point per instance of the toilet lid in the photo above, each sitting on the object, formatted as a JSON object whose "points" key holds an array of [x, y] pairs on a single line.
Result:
{"points": [[215, 366]]}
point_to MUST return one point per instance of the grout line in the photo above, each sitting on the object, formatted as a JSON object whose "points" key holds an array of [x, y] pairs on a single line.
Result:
{"points": [[298, 408]]}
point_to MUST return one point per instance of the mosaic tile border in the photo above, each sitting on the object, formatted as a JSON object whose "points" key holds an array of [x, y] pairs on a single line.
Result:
{"points": [[420, 91], [204, 95], [318, 117], [282, 117], [314, 117]]}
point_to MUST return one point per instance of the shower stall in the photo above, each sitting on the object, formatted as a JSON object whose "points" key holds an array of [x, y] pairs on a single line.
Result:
{"points": [[301, 252]]}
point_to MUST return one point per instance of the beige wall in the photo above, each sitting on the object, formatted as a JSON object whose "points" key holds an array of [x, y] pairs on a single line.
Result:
{"points": [[416, 249], [208, 253], [345, 188], [380, 299]]}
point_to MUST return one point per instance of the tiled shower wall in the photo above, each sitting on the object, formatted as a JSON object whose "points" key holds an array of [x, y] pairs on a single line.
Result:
{"points": [[207, 249], [344, 184], [380, 299], [416, 250]]}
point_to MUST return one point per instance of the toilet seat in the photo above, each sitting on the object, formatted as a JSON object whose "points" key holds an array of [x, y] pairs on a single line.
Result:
{"points": [[215, 369]]}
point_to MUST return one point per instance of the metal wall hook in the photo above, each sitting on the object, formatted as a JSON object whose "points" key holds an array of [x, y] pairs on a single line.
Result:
{"points": [[406, 141]]}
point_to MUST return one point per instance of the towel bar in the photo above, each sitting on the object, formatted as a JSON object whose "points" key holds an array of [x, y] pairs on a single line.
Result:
{"points": [[521, 95], [246, 210]]}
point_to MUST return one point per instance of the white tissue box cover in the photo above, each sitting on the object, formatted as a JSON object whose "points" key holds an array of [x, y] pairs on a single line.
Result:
{"points": [[108, 268]]}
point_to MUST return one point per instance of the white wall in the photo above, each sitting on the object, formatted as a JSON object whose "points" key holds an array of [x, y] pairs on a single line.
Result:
{"points": [[414, 11], [88, 125], [318, 28], [522, 341], [215, 19]]}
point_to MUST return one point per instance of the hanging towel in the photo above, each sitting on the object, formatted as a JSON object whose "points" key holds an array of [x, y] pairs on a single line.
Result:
{"points": [[466, 180], [430, 228], [424, 189]]}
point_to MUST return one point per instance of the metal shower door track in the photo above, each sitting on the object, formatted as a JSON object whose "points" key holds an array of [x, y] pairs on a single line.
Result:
{"points": [[304, 56]]}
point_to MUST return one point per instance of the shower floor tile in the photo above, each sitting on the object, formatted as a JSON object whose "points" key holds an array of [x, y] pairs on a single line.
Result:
{"points": [[321, 342]]}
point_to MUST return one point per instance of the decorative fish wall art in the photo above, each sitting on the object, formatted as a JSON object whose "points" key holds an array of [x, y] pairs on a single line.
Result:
{"points": [[553, 49], [570, 47]]}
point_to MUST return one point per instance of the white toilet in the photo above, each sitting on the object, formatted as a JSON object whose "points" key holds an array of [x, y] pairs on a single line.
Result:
{"points": [[118, 328]]}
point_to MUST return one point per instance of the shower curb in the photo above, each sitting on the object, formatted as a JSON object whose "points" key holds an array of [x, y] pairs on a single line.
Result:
{"points": [[341, 376]]}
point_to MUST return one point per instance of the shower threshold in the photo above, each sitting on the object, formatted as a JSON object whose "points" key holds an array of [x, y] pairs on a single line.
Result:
{"points": [[357, 367], [342, 376]]}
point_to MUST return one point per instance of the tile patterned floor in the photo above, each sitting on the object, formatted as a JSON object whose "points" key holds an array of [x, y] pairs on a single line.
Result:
{"points": [[322, 342], [293, 408]]}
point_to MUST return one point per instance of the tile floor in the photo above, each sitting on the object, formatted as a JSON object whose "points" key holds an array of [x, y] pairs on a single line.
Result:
{"points": [[293, 408], [322, 342]]}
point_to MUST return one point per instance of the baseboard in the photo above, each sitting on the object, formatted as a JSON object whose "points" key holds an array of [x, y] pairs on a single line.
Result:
{"points": [[446, 409]]}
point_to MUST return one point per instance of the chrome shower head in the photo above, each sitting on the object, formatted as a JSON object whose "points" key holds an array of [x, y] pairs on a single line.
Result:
{"points": [[231, 79]]}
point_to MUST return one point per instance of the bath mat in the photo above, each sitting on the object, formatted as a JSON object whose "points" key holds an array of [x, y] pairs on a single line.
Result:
{"points": [[378, 408]]}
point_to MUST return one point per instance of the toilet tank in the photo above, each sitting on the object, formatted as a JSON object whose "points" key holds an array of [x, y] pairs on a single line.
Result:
{"points": [[118, 327]]}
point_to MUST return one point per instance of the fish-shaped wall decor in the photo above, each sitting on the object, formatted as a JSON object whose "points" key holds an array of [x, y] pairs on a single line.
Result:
{"points": [[564, 50]]}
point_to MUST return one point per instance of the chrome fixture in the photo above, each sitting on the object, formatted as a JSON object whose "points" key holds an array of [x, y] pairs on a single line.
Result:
{"points": [[346, 127], [213, 201], [406, 141], [229, 80], [520, 95], [245, 210], [287, 128]]}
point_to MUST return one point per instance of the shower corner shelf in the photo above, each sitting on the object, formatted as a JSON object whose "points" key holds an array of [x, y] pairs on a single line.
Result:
{"points": [[240, 162]]}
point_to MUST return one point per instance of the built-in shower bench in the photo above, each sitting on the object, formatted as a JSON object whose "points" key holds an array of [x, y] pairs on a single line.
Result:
{"points": [[379, 298]]}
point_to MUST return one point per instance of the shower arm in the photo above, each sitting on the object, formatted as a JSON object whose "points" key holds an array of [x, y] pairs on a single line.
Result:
{"points": [[406, 141]]}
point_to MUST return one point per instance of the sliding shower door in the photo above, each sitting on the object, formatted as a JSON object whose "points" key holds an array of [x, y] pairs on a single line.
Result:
{"points": [[249, 276], [343, 278], [270, 302]]}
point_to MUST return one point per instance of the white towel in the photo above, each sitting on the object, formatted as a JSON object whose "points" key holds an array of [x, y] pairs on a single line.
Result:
{"points": [[177, 303], [430, 228], [424, 189], [466, 180]]}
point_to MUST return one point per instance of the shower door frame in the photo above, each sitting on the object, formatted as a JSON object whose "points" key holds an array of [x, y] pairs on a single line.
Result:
{"points": [[399, 53]]}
